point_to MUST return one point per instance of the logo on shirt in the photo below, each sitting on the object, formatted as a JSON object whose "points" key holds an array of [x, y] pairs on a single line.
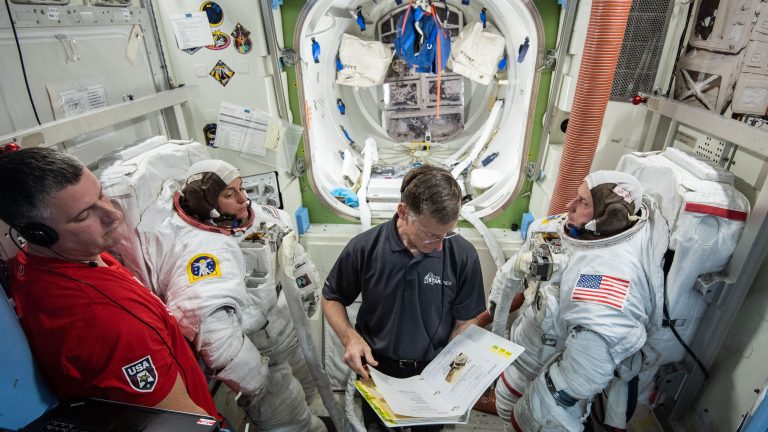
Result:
{"points": [[141, 375], [433, 279], [206, 422], [203, 266]]}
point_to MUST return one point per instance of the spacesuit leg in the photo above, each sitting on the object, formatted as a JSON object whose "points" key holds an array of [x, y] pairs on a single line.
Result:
{"points": [[558, 399], [616, 404], [282, 407], [533, 331], [295, 359]]}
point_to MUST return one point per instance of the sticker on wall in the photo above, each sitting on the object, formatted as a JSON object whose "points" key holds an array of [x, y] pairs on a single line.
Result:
{"points": [[242, 41], [222, 73], [191, 51], [214, 12], [209, 132], [220, 41]]}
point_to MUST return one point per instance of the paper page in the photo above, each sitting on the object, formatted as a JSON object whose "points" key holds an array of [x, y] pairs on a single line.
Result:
{"points": [[410, 396], [370, 393], [241, 129], [468, 365], [79, 100], [192, 30]]}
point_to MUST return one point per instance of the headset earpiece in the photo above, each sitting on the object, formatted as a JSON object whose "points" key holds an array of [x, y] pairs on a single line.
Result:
{"points": [[39, 234]]}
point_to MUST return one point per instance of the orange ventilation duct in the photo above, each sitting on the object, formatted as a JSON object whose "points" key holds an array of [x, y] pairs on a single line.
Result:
{"points": [[607, 22]]}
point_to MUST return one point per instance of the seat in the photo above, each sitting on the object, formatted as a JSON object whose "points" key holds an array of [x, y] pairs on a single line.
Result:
{"points": [[24, 393]]}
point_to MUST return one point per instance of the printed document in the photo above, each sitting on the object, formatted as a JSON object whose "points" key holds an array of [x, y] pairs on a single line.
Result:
{"points": [[448, 387]]}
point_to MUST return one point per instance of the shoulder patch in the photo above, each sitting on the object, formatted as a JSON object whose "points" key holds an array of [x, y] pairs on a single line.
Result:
{"points": [[141, 375], [601, 289], [203, 266]]}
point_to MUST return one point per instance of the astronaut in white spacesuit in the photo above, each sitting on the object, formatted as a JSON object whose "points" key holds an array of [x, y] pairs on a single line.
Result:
{"points": [[215, 263], [593, 283]]}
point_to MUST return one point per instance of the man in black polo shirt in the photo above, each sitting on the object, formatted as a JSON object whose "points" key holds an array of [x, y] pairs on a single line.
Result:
{"points": [[421, 284]]}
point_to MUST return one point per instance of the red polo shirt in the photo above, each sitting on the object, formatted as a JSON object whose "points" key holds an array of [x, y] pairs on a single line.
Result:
{"points": [[97, 332]]}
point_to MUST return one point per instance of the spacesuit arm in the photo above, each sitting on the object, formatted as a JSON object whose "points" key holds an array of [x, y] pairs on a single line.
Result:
{"points": [[231, 355], [561, 392], [306, 277]]}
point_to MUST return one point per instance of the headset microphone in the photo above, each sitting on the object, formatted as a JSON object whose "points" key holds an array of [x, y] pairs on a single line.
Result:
{"points": [[91, 264]]}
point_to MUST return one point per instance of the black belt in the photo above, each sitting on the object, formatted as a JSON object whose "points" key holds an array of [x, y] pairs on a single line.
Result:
{"points": [[401, 364]]}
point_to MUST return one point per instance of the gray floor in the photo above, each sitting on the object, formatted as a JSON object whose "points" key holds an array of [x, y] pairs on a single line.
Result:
{"points": [[643, 420]]}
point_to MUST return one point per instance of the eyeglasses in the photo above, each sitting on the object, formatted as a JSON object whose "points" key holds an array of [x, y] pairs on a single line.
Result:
{"points": [[437, 239], [431, 238]]}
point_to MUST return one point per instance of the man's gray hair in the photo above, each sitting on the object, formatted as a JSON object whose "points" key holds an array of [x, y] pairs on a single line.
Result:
{"points": [[432, 191], [28, 180]]}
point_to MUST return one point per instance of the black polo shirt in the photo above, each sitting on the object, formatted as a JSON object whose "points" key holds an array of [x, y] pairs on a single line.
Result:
{"points": [[409, 303]]}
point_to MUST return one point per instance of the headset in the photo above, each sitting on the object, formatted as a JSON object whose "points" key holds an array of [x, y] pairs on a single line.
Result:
{"points": [[43, 235], [38, 233]]}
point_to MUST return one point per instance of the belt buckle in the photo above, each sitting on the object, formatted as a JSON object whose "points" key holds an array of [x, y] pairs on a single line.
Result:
{"points": [[407, 364]]}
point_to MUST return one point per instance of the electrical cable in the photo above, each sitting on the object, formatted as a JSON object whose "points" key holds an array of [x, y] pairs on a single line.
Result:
{"points": [[668, 257], [168, 347], [21, 60]]}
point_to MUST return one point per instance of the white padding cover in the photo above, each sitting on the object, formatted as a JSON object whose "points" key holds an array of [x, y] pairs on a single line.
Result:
{"points": [[476, 53], [706, 219], [365, 62], [134, 183], [699, 166]]}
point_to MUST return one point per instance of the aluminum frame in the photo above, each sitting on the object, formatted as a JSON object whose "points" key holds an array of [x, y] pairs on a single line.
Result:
{"points": [[53, 133]]}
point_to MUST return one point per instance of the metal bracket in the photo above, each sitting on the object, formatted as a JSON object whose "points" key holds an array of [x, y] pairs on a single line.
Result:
{"points": [[530, 170], [299, 167], [710, 286], [550, 59], [670, 379], [288, 57]]}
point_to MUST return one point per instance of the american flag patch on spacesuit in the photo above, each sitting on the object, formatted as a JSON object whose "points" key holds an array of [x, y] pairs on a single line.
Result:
{"points": [[602, 289]]}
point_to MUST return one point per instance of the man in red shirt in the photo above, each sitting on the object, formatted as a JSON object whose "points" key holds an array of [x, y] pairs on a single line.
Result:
{"points": [[94, 329]]}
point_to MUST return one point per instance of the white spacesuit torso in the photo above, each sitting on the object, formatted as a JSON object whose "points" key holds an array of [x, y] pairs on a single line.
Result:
{"points": [[610, 289], [200, 271]]}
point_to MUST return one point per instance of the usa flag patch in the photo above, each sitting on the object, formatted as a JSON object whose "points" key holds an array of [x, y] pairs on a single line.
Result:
{"points": [[602, 289]]}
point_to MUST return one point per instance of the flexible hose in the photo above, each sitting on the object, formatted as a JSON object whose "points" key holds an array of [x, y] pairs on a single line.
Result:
{"points": [[487, 402], [370, 156], [494, 247], [293, 298], [605, 33], [504, 307], [487, 130], [484, 319]]}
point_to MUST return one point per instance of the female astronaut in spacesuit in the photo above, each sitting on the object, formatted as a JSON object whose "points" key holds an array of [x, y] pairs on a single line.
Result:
{"points": [[215, 261]]}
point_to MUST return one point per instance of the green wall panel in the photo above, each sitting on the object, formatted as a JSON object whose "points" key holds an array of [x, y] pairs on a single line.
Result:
{"points": [[320, 213]]}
